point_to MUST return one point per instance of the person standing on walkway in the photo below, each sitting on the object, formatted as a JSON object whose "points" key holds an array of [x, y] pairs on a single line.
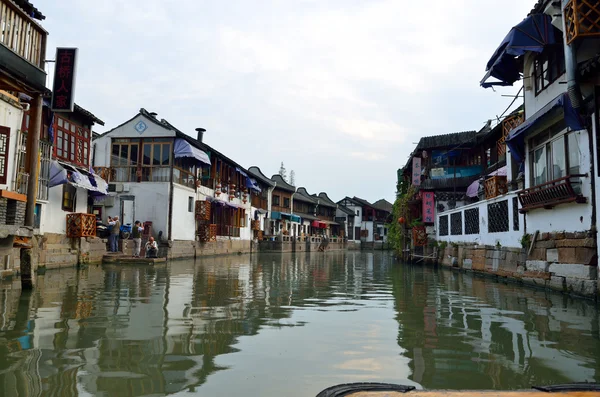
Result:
{"points": [[137, 238], [114, 235]]}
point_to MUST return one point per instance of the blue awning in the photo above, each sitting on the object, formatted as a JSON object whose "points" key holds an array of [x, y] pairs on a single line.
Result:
{"points": [[291, 217], [252, 184], [534, 33], [516, 138], [275, 215], [61, 174], [185, 149], [238, 169]]}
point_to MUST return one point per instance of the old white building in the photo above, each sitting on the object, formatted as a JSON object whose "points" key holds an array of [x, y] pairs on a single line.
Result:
{"points": [[188, 190], [552, 154]]}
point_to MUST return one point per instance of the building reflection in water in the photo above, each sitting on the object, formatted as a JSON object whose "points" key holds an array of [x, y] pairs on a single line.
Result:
{"points": [[463, 330], [339, 317]]}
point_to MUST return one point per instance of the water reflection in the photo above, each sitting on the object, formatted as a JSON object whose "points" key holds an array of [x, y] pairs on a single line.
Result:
{"points": [[464, 330], [285, 325]]}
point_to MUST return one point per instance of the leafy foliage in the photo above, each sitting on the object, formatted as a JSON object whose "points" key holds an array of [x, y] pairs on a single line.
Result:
{"points": [[283, 172], [397, 234]]}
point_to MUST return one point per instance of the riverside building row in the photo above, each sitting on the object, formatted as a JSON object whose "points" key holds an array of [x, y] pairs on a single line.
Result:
{"points": [[518, 198]]}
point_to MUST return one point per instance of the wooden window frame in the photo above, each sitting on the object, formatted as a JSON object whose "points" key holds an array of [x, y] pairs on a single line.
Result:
{"points": [[131, 165], [69, 198], [548, 67], [182, 176], [148, 170], [72, 142]]}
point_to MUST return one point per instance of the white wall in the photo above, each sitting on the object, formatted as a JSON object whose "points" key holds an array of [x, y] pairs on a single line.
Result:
{"points": [[151, 204], [368, 225], [565, 217], [512, 238], [532, 102], [53, 218], [11, 117], [184, 221]]}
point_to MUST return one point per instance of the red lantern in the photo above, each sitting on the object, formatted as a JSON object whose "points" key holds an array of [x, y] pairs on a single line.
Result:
{"points": [[401, 220]]}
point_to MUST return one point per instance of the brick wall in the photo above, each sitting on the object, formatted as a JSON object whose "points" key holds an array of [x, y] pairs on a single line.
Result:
{"points": [[15, 213]]}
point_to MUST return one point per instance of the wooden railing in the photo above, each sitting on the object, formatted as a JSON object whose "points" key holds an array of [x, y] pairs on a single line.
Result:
{"points": [[582, 19], [21, 34], [106, 173], [81, 225], [202, 210], [207, 233], [550, 194]]}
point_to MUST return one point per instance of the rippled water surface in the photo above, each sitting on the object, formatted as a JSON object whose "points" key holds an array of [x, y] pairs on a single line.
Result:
{"points": [[286, 325]]}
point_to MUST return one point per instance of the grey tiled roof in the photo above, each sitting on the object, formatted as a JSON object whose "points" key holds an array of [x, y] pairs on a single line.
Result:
{"points": [[282, 184], [383, 205], [346, 210], [257, 174]]}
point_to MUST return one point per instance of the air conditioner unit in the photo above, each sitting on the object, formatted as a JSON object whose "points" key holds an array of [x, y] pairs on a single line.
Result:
{"points": [[109, 201], [126, 187], [119, 187]]}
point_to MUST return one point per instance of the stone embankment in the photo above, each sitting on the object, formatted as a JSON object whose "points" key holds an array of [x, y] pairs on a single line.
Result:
{"points": [[565, 262]]}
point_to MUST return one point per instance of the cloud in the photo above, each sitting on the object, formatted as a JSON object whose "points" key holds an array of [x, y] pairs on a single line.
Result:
{"points": [[342, 84], [369, 156]]}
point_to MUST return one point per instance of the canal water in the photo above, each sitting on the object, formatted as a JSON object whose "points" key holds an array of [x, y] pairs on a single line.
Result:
{"points": [[286, 325]]}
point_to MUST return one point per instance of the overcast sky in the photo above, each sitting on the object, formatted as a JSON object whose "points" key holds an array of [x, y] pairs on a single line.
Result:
{"points": [[338, 90]]}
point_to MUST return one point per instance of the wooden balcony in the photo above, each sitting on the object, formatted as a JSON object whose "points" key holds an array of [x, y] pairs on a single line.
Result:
{"points": [[495, 186], [550, 194], [582, 19], [81, 225], [22, 45], [259, 202]]}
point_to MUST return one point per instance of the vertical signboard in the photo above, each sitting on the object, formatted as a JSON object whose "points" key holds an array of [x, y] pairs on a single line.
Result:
{"points": [[428, 207], [63, 87], [416, 171]]}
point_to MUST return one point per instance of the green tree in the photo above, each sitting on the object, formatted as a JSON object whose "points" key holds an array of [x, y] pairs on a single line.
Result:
{"points": [[396, 233]]}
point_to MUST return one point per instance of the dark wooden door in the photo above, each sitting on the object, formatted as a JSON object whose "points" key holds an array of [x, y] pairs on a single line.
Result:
{"points": [[4, 145]]}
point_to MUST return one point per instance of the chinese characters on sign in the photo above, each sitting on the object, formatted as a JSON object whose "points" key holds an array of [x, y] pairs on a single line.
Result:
{"points": [[416, 171], [428, 207], [63, 96]]}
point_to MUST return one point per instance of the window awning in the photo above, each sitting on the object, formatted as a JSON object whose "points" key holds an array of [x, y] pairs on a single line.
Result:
{"points": [[516, 138], [185, 149], [319, 225], [61, 173], [224, 203], [533, 34], [252, 184], [275, 215]]}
